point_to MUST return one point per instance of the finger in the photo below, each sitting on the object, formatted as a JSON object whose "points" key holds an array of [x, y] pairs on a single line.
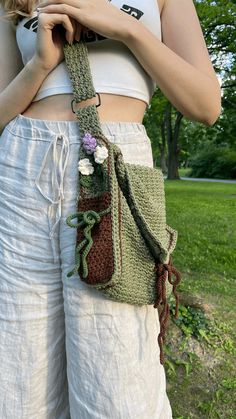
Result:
{"points": [[78, 32], [50, 20], [67, 24], [74, 24], [61, 8], [73, 3]]}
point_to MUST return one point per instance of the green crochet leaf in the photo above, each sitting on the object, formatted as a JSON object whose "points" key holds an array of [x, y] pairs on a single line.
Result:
{"points": [[86, 180]]}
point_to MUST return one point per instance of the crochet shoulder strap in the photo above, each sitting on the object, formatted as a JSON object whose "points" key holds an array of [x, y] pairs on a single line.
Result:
{"points": [[76, 58], [77, 61]]}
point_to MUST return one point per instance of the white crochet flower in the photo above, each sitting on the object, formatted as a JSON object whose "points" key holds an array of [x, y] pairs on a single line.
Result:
{"points": [[85, 167], [100, 154]]}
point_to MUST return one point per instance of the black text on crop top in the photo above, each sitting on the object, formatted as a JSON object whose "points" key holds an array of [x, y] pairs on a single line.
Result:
{"points": [[114, 67]]}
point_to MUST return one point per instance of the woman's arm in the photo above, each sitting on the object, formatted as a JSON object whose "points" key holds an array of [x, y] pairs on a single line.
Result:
{"points": [[18, 85], [180, 65]]}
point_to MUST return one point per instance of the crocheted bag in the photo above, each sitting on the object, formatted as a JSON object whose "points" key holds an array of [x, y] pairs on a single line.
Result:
{"points": [[123, 244]]}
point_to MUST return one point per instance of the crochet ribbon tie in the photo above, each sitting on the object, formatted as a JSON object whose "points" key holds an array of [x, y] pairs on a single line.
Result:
{"points": [[164, 271], [86, 220]]}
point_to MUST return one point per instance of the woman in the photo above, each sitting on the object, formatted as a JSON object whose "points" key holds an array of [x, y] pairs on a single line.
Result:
{"points": [[66, 350]]}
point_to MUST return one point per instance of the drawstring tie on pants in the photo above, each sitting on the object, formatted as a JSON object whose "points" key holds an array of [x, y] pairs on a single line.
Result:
{"points": [[57, 178]]}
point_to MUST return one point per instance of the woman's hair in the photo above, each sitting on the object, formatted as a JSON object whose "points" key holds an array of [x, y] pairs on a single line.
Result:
{"points": [[17, 9]]}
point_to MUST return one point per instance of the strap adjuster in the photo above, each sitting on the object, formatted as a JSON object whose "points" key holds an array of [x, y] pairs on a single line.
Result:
{"points": [[74, 101]]}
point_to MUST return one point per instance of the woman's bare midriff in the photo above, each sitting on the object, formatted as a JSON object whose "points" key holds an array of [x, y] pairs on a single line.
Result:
{"points": [[113, 108]]}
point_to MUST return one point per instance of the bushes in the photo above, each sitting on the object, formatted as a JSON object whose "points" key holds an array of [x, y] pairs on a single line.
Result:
{"points": [[214, 163]]}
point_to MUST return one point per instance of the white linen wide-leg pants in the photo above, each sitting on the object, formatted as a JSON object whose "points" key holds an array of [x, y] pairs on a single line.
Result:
{"points": [[66, 350]]}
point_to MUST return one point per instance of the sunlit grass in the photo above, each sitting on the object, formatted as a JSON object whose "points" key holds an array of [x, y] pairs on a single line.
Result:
{"points": [[204, 214]]}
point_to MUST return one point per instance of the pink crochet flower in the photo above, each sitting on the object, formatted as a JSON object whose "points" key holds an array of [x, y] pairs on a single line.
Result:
{"points": [[89, 143]]}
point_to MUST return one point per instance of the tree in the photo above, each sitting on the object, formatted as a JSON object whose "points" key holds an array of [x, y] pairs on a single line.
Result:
{"points": [[155, 126], [163, 127], [167, 126]]}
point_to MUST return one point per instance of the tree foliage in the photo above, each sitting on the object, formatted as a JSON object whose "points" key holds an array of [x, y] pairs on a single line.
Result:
{"points": [[217, 162], [163, 122]]}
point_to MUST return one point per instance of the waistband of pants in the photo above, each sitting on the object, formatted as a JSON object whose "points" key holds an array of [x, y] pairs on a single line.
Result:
{"points": [[45, 130]]}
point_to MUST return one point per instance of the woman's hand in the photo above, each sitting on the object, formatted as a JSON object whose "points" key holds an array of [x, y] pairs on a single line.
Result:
{"points": [[53, 30], [98, 15]]}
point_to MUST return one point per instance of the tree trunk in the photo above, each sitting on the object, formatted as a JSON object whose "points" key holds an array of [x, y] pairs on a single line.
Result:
{"points": [[172, 140], [162, 147]]}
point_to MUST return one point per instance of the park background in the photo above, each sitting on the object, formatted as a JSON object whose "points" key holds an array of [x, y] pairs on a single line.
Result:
{"points": [[201, 344]]}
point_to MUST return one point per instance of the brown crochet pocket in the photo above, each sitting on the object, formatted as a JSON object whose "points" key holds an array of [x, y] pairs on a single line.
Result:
{"points": [[100, 261]]}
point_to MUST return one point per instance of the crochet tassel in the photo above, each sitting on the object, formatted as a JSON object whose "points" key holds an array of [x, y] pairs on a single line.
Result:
{"points": [[164, 271]]}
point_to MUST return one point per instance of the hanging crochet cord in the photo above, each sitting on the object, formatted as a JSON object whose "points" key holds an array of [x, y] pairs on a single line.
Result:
{"points": [[57, 178]]}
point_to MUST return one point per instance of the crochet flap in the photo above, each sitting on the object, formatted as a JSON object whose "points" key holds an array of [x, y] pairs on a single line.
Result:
{"points": [[143, 188]]}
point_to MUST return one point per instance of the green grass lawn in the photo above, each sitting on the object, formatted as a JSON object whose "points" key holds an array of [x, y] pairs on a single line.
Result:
{"points": [[201, 348]]}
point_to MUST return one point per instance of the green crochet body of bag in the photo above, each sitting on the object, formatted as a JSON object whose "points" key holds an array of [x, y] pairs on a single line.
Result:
{"points": [[123, 244]]}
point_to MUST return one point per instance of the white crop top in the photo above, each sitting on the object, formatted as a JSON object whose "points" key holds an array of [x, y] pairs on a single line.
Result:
{"points": [[114, 67]]}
